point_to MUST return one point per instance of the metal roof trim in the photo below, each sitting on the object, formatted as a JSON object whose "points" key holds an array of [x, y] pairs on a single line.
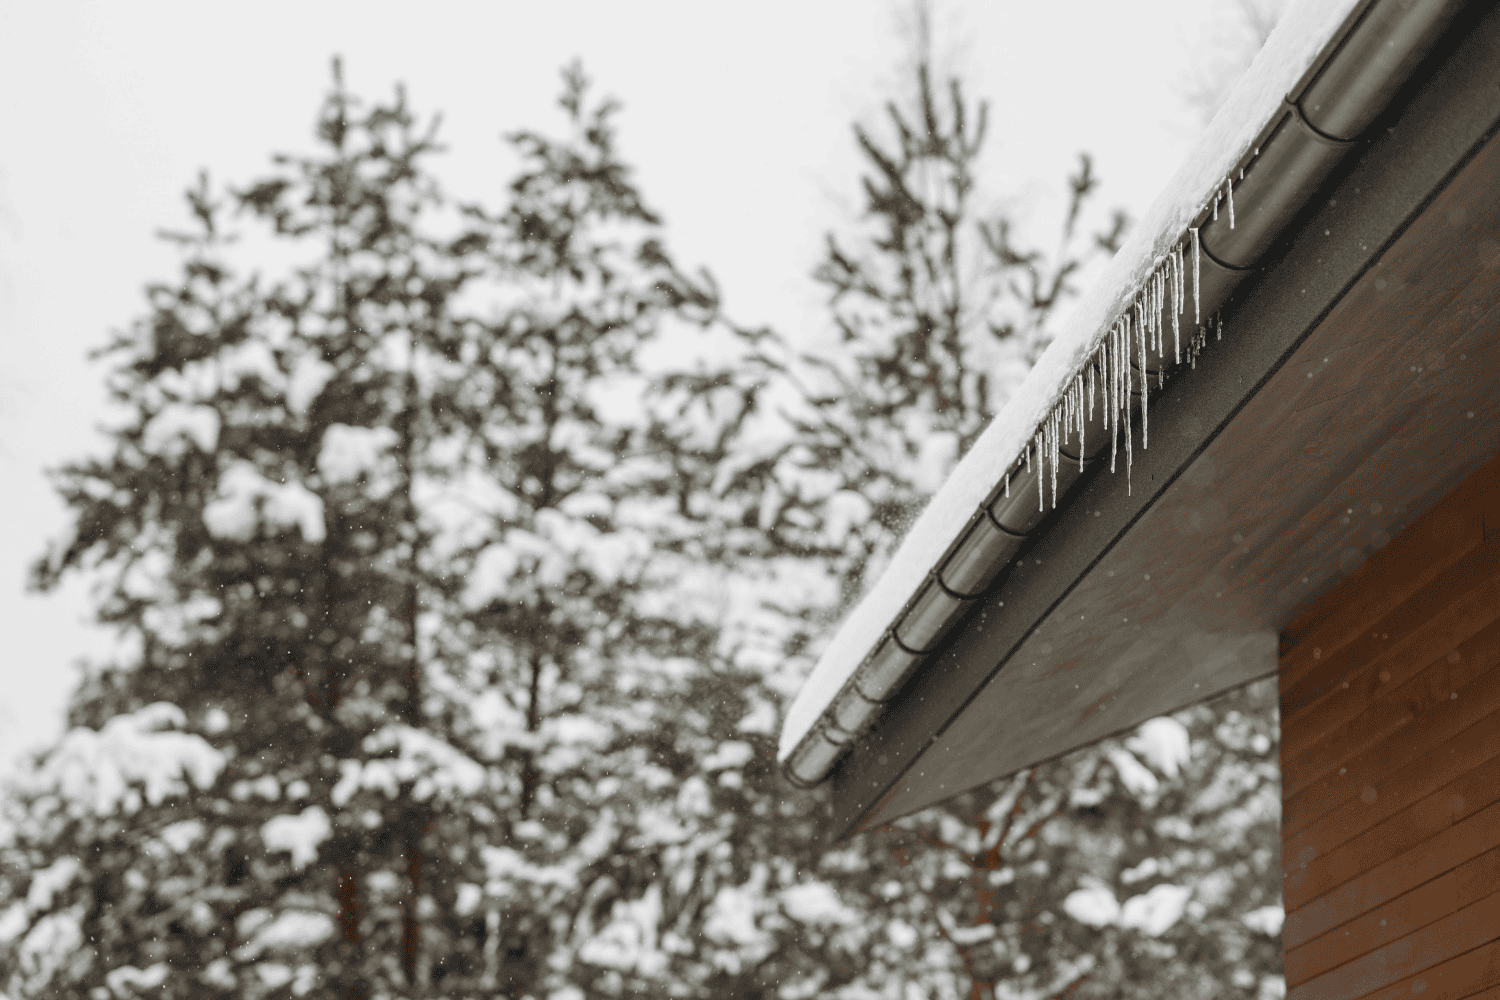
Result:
{"points": [[811, 754]]}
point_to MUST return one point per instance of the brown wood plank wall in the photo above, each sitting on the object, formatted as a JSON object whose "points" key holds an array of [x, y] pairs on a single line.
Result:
{"points": [[1390, 756]]}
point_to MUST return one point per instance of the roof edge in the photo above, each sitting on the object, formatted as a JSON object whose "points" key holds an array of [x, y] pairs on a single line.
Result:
{"points": [[914, 601]]}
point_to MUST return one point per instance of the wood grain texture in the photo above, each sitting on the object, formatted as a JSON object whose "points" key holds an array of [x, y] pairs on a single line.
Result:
{"points": [[1454, 935], [1468, 883], [1347, 680], [1457, 648], [1378, 800], [1455, 979], [1441, 809], [1440, 723], [1391, 766], [1388, 578], [1395, 877]]}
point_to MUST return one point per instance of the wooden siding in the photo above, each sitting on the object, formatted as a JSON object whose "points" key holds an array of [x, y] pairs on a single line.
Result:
{"points": [[1390, 755]]}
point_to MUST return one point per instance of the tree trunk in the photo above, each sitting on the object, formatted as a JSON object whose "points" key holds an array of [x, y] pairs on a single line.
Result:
{"points": [[417, 817], [530, 776]]}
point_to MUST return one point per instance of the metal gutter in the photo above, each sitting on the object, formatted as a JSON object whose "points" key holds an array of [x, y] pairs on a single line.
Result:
{"points": [[1322, 119]]}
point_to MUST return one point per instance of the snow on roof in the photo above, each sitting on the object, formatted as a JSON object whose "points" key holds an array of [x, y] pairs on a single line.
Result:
{"points": [[1293, 48]]}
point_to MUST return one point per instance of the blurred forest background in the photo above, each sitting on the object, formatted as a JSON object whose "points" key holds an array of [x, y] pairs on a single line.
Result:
{"points": [[461, 554]]}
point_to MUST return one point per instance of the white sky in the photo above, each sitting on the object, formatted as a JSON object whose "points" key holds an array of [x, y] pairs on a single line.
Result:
{"points": [[736, 118]]}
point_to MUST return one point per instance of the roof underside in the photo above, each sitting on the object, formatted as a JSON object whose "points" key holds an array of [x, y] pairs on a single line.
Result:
{"points": [[1301, 41], [1358, 382]]}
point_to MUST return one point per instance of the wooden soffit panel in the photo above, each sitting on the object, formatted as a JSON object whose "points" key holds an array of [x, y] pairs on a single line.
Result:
{"points": [[1358, 381]]}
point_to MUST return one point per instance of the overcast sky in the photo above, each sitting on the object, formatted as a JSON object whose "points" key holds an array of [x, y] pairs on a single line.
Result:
{"points": [[736, 117]]}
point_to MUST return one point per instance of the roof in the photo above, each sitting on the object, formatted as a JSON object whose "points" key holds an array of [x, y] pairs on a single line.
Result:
{"points": [[1157, 262]]}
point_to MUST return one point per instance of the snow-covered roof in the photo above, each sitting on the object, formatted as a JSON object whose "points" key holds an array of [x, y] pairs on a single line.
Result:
{"points": [[1294, 48]]}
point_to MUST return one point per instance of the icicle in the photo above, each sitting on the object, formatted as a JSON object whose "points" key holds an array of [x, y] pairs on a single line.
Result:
{"points": [[1155, 308], [1166, 302], [1118, 411], [1142, 317], [1165, 295], [1107, 375], [1007, 484], [1172, 306], [1041, 470], [1153, 311], [1159, 310], [1053, 454], [1081, 423], [1196, 300], [1150, 306], [1101, 376], [1230, 191], [1176, 280], [1059, 438], [1179, 299], [1122, 386], [1096, 383], [1063, 412], [1216, 206], [1182, 276], [1105, 371], [1070, 410], [1112, 412], [1168, 296], [1049, 438], [1145, 392], [1220, 335], [1125, 374], [1092, 365]]}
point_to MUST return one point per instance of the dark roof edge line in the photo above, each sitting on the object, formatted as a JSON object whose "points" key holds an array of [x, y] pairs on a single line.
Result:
{"points": [[859, 787], [1298, 150]]}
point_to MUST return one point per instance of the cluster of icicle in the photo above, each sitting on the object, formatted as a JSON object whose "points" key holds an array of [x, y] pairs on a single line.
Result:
{"points": [[1108, 374]]}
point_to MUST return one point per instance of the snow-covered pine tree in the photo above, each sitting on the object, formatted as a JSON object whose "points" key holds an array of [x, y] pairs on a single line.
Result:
{"points": [[457, 601], [809, 467], [1001, 891], [807, 463], [1136, 867], [592, 605], [420, 587], [391, 543], [259, 539], [938, 314]]}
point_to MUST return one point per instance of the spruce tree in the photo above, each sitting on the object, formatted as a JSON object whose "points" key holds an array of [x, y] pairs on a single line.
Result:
{"points": [[462, 570], [389, 539], [587, 605], [621, 605], [938, 314], [258, 529], [1131, 867]]}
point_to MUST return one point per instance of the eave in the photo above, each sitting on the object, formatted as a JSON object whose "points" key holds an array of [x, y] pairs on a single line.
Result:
{"points": [[1045, 661]]}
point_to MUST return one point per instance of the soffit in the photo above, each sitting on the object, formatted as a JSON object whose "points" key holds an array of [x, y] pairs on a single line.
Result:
{"points": [[1272, 474]]}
